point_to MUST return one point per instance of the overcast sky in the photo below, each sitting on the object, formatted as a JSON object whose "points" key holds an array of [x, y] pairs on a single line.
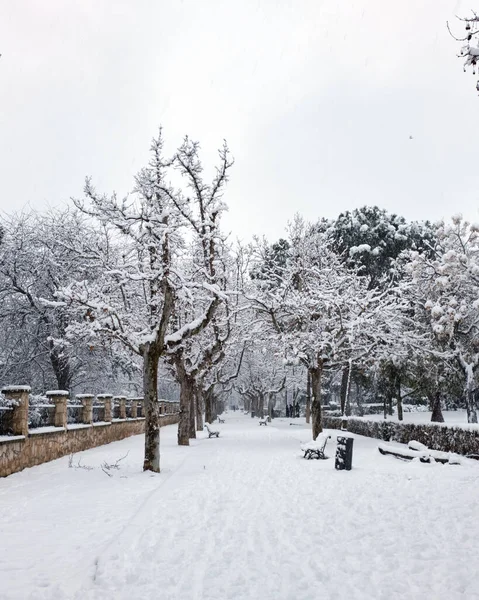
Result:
{"points": [[317, 100]]}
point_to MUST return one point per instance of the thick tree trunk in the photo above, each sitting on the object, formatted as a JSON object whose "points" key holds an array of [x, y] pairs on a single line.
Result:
{"points": [[192, 433], [199, 409], [308, 397], [271, 405], [261, 406], [316, 373], [152, 413], [208, 396], [214, 406], [186, 392], [435, 402], [254, 405]]}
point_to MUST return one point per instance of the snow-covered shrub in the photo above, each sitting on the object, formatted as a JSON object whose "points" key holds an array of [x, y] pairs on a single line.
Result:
{"points": [[7, 402], [74, 412], [41, 412], [435, 436], [6, 413], [415, 408], [375, 408], [98, 413]]}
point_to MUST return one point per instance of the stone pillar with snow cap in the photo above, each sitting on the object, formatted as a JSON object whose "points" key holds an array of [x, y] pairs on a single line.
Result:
{"points": [[18, 395], [59, 398], [87, 410], [106, 399]]}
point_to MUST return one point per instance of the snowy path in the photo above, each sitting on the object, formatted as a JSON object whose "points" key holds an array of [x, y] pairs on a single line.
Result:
{"points": [[240, 517]]}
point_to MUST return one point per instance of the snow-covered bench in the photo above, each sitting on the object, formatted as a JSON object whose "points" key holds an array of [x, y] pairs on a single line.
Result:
{"points": [[263, 421], [211, 432], [220, 420], [316, 448], [418, 450]]}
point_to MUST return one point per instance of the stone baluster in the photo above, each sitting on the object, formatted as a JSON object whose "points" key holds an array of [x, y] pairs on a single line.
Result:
{"points": [[59, 398], [106, 399], [134, 408], [87, 410], [122, 401], [141, 404], [19, 396]]}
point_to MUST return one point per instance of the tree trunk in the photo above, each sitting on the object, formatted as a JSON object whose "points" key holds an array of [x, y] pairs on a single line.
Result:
{"points": [[60, 362], [192, 432], [345, 390], [316, 373], [308, 397], [208, 397], [260, 406], [359, 400], [390, 404], [199, 409], [185, 405], [254, 405], [470, 403], [399, 397], [435, 401], [468, 370], [152, 413], [271, 405], [214, 406]]}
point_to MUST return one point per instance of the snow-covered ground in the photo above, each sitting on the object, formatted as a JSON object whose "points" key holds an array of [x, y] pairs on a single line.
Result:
{"points": [[451, 417], [240, 517]]}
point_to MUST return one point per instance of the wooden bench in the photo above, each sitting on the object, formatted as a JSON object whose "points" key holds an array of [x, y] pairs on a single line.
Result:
{"points": [[316, 452], [417, 450], [211, 432]]}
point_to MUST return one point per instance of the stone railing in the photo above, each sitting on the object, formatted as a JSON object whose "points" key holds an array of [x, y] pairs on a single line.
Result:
{"points": [[87, 423]]}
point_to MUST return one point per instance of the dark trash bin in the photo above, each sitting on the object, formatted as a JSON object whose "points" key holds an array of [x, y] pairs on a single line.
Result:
{"points": [[344, 454]]}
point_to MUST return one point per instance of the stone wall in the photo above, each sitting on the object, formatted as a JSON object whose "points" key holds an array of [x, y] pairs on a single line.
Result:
{"points": [[18, 452]]}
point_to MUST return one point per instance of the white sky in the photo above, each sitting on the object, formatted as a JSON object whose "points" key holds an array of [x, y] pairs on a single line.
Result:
{"points": [[317, 100]]}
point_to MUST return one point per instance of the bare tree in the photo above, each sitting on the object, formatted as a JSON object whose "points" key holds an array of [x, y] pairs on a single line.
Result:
{"points": [[138, 301]]}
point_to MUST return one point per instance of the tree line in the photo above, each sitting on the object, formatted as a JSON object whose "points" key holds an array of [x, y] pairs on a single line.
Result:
{"points": [[147, 293]]}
